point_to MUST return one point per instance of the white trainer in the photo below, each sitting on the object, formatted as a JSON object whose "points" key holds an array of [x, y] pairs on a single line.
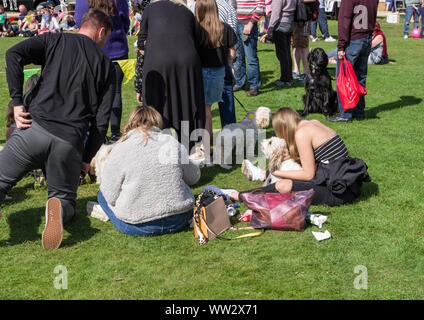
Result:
{"points": [[95, 210], [330, 39]]}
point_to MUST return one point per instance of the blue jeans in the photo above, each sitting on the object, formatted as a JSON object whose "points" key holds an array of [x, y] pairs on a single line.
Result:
{"points": [[356, 52], [247, 50], [409, 11], [421, 12], [323, 25], [227, 110], [170, 224]]}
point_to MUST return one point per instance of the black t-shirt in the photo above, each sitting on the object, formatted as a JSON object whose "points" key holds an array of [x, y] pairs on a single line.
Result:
{"points": [[75, 91], [216, 58]]}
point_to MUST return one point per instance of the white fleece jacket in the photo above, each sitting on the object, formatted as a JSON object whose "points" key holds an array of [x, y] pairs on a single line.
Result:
{"points": [[142, 183]]}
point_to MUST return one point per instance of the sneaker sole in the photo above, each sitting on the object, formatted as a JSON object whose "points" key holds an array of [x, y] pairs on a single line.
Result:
{"points": [[53, 231]]}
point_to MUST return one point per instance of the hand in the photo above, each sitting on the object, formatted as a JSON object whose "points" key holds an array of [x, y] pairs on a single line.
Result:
{"points": [[20, 116], [263, 38], [248, 28], [85, 167], [139, 98], [340, 54]]}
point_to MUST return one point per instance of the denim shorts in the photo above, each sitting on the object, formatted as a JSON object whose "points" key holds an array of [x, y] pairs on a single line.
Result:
{"points": [[213, 83]]}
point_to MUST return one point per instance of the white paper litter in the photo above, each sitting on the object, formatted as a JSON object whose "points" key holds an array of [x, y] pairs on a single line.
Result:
{"points": [[316, 219], [321, 235]]}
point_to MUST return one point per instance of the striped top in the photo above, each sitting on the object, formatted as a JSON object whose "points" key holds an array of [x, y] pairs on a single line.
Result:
{"points": [[251, 10], [333, 149], [227, 12]]}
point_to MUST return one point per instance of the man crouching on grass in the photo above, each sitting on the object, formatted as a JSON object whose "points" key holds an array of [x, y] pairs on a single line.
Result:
{"points": [[73, 96]]}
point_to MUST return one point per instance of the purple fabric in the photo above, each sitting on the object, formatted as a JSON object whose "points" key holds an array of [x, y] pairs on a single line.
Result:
{"points": [[117, 44]]}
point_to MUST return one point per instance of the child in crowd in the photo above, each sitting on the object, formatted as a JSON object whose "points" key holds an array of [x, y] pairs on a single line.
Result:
{"points": [[300, 42], [30, 27], [68, 23], [5, 26], [49, 22]]}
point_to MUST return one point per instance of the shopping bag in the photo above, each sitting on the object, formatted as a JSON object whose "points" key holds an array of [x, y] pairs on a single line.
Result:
{"points": [[350, 90], [278, 211]]}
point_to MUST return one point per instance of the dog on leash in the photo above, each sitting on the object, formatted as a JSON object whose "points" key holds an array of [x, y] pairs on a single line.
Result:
{"points": [[227, 137], [320, 96], [276, 151]]}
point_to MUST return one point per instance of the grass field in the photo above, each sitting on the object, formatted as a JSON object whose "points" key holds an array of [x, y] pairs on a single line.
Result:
{"points": [[382, 231]]}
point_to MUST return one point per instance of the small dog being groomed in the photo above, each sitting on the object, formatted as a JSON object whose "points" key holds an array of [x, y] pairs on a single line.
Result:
{"points": [[277, 153], [320, 96]]}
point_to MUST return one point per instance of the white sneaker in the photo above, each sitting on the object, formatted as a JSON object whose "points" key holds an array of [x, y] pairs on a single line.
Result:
{"points": [[405, 36], [251, 172], [53, 231], [95, 210], [330, 39], [315, 39]]}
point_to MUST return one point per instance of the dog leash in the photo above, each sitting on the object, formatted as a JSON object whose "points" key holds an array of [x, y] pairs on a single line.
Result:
{"points": [[241, 104]]}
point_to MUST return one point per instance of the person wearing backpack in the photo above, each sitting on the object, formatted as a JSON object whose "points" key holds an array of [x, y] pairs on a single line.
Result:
{"points": [[356, 23]]}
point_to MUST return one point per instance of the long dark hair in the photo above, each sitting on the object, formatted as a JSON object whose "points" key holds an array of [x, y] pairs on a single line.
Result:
{"points": [[210, 28]]}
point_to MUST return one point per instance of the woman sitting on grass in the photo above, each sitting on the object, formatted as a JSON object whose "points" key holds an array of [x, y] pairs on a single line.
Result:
{"points": [[326, 166], [145, 180]]}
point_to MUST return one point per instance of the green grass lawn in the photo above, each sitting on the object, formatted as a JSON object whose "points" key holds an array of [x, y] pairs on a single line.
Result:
{"points": [[382, 231]]}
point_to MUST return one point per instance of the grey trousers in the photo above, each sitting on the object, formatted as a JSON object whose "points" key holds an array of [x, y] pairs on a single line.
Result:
{"points": [[35, 148]]}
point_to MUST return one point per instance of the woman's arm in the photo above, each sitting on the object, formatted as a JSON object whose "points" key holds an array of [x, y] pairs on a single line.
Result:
{"points": [[376, 41], [307, 159]]}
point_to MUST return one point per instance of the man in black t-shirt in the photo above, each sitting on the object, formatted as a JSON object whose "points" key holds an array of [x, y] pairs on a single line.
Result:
{"points": [[72, 98]]}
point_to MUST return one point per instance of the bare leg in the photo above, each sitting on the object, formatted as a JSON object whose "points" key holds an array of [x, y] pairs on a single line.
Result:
{"points": [[304, 56], [296, 61]]}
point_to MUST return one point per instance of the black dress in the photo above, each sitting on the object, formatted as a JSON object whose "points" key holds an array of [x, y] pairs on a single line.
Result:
{"points": [[172, 71]]}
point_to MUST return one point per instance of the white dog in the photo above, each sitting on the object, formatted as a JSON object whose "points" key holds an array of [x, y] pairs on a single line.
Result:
{"points": [[98, 162], [245, 131], [277, 153]]}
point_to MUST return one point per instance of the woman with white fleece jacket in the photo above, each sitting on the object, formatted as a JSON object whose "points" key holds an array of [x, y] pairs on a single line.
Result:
{"points": [[144, 187]]}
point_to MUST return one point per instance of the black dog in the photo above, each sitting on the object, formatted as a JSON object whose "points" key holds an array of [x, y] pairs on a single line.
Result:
{"points": [[320, 96]]}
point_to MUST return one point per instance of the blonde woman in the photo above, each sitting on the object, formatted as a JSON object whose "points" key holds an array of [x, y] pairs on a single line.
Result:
{"points": [[217, 42], [145, 181], [326, 165]]}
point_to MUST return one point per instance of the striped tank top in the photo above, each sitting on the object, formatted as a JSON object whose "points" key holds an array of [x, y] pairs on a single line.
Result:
{"points": [[331, 150]]}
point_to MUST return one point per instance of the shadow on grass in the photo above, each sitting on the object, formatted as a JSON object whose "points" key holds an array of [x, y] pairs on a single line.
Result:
{"points": [[24, 226], [208, 174], [369, 189], [404, 101]]}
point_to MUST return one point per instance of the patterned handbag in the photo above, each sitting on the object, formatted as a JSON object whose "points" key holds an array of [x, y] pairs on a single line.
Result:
{"points": [[278, 211], [210, 219]]}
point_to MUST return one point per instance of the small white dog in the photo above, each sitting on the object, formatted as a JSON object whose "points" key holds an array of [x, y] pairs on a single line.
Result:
{"points": [[98, 162], [277, 153], [247, 129]]}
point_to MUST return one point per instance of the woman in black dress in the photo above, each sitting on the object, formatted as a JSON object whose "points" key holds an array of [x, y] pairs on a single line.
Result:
{"points": [[172, 71]]}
